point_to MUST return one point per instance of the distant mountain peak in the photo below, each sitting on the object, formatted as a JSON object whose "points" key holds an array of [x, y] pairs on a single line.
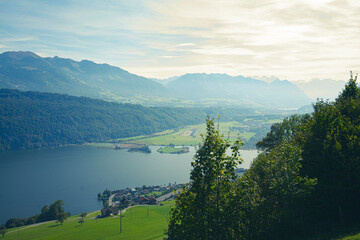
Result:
{"points": [[266, 78], [20, 54], [282, 82], [238, 90]]}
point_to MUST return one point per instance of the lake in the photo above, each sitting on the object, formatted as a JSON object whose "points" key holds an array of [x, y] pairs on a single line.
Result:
{"points": [[76, 174]]}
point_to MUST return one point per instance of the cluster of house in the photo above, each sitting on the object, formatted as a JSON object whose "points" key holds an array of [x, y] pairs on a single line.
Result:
{"points": [[123, 198], [109, 211]]}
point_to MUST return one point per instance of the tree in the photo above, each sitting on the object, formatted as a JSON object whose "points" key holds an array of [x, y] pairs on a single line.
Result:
{"points": [[284, 131], [61, 217], [306, 180], [270, 197], [82, 215], [81, 221], [55, 210], [331, 153], [201, 210], [3, 231], [328, 141], [44, 214]]}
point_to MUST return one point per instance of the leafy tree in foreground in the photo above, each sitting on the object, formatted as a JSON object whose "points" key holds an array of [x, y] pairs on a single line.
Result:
{"points": [[203, 209], [306, 181], [331, 153], [329, 143], [270, 197], [284, 131]]}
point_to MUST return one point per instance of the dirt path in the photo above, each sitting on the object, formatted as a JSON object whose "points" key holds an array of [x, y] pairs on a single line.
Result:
{"points": [[29, 226]]}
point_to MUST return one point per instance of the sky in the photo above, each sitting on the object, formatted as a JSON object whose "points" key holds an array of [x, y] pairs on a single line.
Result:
{"points": [[293, 40]]}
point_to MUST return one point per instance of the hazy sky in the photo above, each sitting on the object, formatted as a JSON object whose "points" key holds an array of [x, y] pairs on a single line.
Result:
{"points": [[290, 39]]}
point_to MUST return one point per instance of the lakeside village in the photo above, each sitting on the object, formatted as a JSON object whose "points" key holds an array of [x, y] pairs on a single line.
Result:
{"points": [[115, 201]]}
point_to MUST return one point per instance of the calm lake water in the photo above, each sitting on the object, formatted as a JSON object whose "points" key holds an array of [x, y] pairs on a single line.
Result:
{"points": [[76, 174]]}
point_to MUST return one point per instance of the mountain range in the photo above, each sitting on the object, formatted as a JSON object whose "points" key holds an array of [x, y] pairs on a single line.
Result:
{"points": [[30, 72]]}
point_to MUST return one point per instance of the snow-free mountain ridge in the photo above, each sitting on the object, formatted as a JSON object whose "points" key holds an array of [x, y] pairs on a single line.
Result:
{"points": [[28, 71]]}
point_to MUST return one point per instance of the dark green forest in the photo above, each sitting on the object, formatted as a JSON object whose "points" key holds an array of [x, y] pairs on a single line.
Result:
{"points": [[30, 120], [38, 120], [306, 181]]}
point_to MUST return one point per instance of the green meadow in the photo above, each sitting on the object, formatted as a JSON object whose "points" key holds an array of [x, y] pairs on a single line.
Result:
{"points": [[190, 135], [170, 149], [351, 237], [140, 222]]}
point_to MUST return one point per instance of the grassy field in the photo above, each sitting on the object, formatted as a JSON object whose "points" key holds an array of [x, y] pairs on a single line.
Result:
{"points": [[141, 222], [170, 149], [351, 237], [190, 135], [336, 236]]}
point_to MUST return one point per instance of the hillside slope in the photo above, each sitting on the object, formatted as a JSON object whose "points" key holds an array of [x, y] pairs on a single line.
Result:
{"points": [[36, 120], [30, 72]]}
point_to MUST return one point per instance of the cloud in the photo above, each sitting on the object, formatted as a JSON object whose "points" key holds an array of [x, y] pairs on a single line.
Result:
{"points": [[293, 39], [167, 57], [213, 50], [185, 44], [299, 39]]}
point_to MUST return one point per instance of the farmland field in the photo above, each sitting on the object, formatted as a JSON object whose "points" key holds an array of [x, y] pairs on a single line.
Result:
{"points": [[140, 222]]}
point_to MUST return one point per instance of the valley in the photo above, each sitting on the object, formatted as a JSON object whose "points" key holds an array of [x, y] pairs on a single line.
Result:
{"points": [[250, 129], [192, 120]]}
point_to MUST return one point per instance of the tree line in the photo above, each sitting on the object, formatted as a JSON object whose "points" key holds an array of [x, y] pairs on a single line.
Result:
{"points": [[38, 120], [53, 212], [305, 181], [41, 120]]}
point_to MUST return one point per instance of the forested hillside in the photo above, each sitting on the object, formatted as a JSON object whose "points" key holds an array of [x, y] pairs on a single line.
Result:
{"points": [[37, 120], [305, 182]]}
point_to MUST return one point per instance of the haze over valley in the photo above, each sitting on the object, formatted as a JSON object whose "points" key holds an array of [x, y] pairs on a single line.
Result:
{"points": [[29, 72], [180, 119], [175, 102]]}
